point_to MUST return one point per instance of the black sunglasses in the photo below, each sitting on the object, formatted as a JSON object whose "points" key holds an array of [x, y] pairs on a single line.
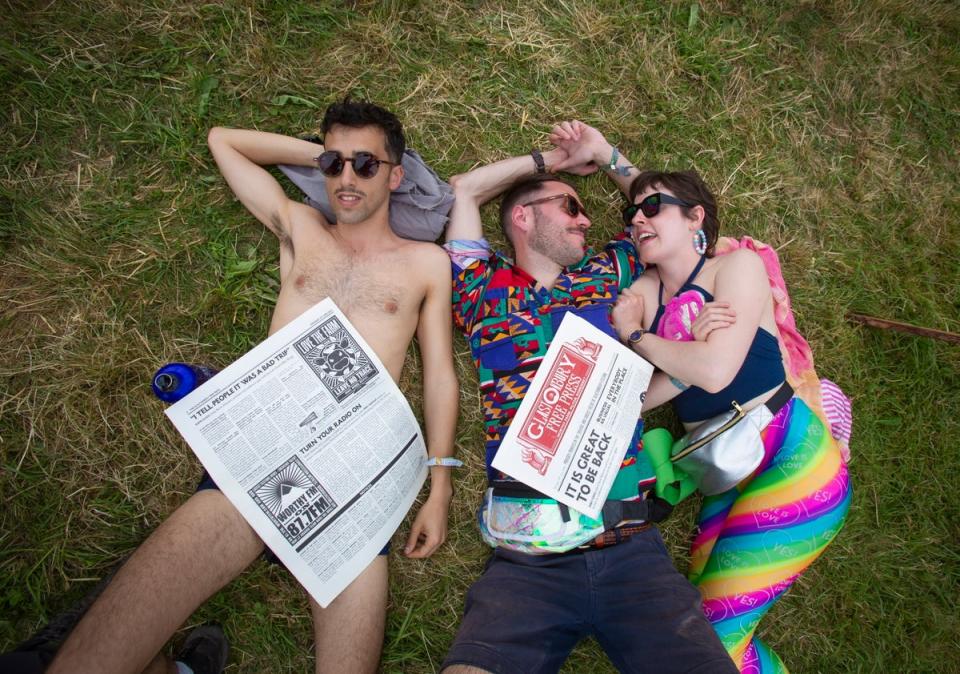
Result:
{"points": [[651, 206], [571, 206], [365, 164]]}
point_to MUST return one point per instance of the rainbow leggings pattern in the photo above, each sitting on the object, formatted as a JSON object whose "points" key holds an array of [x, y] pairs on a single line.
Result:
{"points": [[753, 541]]}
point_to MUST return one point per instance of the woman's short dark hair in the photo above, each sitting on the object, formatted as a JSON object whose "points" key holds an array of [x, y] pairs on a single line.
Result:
{"points": [[686, 185], [357, 114]]}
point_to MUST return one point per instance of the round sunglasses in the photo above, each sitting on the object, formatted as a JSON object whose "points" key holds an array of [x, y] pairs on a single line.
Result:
{"points": [[570, 205], [650, 206], [365, 165]]}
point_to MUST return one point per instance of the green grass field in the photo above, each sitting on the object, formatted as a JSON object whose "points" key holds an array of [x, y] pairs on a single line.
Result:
{"points": [[829, 129]]}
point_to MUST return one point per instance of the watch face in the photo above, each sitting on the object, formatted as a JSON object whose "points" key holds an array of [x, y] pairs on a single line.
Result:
{"points": [[635, 336]]}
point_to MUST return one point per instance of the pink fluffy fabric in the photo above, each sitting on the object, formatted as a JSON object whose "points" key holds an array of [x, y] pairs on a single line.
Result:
{"points": [[822, 395], [679, 313], [799, 355]]}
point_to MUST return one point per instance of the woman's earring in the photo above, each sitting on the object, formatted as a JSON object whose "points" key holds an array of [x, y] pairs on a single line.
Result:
{"points": [[700, 242]]}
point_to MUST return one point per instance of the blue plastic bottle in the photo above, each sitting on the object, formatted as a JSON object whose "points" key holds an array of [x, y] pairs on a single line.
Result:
{"points": [[173, 381]]}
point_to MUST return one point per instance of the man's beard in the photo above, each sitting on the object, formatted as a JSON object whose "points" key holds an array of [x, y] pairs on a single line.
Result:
{"points": [[545, 240], [360, 213]]}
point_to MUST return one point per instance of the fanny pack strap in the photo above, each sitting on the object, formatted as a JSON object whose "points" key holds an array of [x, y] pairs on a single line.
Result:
{"points": [[780, 398], [651, 509], [614, 512]]}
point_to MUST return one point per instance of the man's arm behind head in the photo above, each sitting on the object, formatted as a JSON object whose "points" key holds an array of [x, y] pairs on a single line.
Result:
{"points": [[241, 154], [476, 187]]}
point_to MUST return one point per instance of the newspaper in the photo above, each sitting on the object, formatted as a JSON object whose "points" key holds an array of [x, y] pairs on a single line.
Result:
{"points": [[576, 421], [313, 442]]}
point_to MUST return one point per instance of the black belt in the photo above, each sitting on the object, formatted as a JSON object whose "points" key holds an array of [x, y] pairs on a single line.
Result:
{"points": [[780, 398]]}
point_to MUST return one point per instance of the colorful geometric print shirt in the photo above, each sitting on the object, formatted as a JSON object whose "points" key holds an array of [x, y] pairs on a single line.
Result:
{"points": [[510, 319]]}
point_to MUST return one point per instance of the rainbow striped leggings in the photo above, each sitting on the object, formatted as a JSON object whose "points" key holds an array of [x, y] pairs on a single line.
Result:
{"points": [[753, 541]]}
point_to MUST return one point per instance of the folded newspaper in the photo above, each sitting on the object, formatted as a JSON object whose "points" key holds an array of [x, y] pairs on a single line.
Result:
{"points": [[313, 442], [576, 421]]}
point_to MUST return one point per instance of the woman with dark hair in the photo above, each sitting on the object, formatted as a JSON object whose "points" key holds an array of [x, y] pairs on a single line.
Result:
{"points": [[758, 531]]}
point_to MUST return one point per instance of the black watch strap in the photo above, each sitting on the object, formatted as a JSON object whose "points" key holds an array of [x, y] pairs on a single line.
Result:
{"points": [[538, 160]]}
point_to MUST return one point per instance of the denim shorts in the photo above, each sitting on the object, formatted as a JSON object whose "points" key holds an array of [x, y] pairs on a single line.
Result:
{"points": [[206, 482], [527, 612]]}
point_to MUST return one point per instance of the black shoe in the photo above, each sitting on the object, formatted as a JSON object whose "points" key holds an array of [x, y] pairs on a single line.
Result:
{"points": [[48, 639], [205, 650]]}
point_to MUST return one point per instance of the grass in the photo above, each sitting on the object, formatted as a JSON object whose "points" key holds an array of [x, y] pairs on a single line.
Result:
{"points": [[829, 129]]}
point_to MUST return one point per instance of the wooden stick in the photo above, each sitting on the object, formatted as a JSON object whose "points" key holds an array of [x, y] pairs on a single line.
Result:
{"points": [[885, 324]]}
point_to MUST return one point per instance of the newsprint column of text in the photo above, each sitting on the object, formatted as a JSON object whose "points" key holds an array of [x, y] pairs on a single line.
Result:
{"points": [[313, 442]]}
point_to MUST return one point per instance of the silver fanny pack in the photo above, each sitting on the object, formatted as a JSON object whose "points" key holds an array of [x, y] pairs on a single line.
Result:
{"points": [[724, 450]]}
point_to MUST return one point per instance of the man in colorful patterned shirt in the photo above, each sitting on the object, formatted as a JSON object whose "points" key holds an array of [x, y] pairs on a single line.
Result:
{"points": [[529, 609]]}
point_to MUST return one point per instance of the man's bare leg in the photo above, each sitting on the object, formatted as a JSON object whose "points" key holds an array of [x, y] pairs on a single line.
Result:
{"points": [[349, 632], [201, 547], [160, 665]]}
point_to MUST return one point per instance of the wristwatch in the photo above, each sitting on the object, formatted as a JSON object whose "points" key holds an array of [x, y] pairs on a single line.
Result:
{"points": [[538, 161], [636, 336]]}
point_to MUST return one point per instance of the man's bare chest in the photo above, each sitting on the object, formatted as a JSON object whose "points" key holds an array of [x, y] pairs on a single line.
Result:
{"points": [[369, 287]]}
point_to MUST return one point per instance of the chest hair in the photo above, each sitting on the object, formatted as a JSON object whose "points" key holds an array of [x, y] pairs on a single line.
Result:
{"points": [[357, 286]]}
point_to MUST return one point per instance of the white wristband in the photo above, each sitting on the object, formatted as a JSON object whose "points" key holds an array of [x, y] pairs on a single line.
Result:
{"points": [[444, 461]]}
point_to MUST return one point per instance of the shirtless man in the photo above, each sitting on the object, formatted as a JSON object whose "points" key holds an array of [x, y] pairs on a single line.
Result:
{"points": [[358, 262]]}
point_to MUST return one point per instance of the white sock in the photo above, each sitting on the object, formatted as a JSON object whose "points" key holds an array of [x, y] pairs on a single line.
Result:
{"points": [[182, 668]]}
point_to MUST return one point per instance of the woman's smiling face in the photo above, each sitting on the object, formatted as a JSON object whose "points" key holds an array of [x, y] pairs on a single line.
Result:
{"points": [[665, 230]]}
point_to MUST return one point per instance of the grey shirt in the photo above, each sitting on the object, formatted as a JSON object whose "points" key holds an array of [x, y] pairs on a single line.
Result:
{"points": [[418, 207]]}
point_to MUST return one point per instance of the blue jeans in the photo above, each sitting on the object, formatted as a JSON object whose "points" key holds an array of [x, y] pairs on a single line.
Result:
{"points": [[527, 612]]}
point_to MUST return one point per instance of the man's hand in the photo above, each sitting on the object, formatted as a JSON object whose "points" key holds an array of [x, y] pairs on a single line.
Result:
{"points": [[713, 316], [628, 313], [587, 150], [585, 146], [567, 163], [429, 529]]}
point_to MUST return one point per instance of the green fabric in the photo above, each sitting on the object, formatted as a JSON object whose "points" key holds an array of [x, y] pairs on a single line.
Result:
{"points": [[673, 485], [625, 484]]}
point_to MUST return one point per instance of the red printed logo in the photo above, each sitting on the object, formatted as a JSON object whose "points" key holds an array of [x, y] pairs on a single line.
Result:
{"points": [[555, 403]]}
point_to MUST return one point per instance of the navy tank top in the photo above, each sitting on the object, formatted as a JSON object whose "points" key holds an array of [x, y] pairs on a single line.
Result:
{"points": [[761, 371]]}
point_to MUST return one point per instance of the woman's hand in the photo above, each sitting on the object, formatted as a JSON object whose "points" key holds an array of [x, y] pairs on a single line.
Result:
{"points": [[582, 144], [713, 316], [628, 313]]}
